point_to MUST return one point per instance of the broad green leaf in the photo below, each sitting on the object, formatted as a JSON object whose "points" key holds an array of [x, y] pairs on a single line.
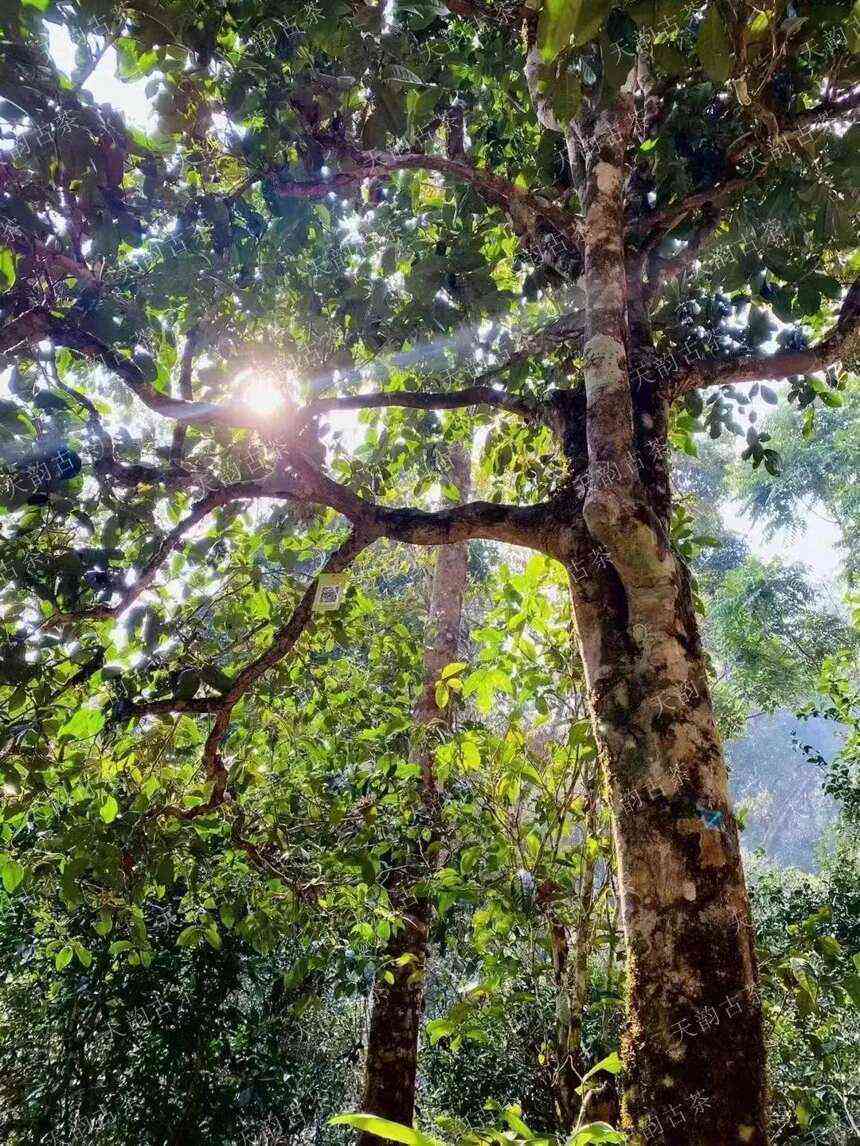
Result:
{"points": [[109, 810], [564, 20], [714, 47], [85, 723], [7, 269], [851, 983], [213, 937], [13, 873], [189, 936], [63, 958], [612, 1064], [513, 1119], [83, 956], [596, 1132], [393, 1131]]}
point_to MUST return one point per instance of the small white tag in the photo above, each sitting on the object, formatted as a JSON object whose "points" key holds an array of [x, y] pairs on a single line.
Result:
{"points": [[329, 594]]}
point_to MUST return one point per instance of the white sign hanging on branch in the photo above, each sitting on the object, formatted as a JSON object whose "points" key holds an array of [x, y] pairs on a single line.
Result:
{"points": [[330, 591]]}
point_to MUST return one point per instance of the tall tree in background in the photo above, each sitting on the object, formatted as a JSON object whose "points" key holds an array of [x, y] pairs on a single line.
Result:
{"points": [[397, 1003], [617, 164]]}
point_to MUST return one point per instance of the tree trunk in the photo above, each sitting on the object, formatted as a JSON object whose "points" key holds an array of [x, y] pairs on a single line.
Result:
{"points": [[570, 972], [694, 1047], [397, 1008], [568, 1030], [395, 1020]]}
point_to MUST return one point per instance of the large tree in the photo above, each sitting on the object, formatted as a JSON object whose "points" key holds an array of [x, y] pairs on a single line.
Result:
{"points": [[397, 1004], [576, 222]]}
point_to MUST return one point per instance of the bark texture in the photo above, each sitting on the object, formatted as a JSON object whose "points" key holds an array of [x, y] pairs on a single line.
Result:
{"points": [[694, 1048], [397, 1008], [571, 975]]}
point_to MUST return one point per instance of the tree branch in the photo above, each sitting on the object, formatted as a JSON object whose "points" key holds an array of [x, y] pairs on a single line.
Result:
{"points": [[664, 221], [735, 371], [282, 645], [524, 207], [168, 705], [456, 399], [240, 491], [530, 526]]}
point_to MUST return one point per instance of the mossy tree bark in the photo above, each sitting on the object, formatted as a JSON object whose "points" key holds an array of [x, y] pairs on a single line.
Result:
{"points": [[571, 947], [397, 1007], [694, 1054]]}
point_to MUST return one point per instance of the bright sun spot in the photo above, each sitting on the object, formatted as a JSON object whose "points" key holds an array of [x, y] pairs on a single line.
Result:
{"points": [[263, 393]]}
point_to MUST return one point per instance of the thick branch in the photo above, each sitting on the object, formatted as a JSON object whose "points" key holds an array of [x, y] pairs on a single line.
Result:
{"points": [[522, 206], [531, 526], [735, 371], [168, 705], [456, 399]]}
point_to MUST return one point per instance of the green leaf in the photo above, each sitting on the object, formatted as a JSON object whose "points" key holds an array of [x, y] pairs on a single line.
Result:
{"points": [[84, 957], [13, 873], [7, 268], [85, 723], [109, 810], [63, 958], [189, 936], [512, 1117], [612, 1064], [393, 1131], [595, 1132], [213, 938], [120, 945], [851, 983], [714, 47], [564, 20]]}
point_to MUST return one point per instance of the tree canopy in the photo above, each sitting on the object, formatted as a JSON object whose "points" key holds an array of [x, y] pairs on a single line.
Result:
{"points": [[246, 328]]}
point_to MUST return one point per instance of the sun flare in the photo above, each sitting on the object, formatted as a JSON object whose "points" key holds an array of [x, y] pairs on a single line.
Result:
{"points": [[263, 393]]}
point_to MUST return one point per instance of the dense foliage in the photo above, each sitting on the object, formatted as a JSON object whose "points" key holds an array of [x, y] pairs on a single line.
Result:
{"points": [[246, 321]]}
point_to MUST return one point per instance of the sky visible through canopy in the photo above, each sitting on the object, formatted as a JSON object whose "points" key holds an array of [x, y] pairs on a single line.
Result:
{"points": [[815, 547]]}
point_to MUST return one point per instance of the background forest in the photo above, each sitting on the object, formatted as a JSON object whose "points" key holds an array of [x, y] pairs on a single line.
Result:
{"points": [[242, 1017], [208, 979]]}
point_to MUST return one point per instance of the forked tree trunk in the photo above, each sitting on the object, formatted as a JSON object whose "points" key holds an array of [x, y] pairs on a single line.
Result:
{"points": [[694, 1048], [397, 1008]]}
